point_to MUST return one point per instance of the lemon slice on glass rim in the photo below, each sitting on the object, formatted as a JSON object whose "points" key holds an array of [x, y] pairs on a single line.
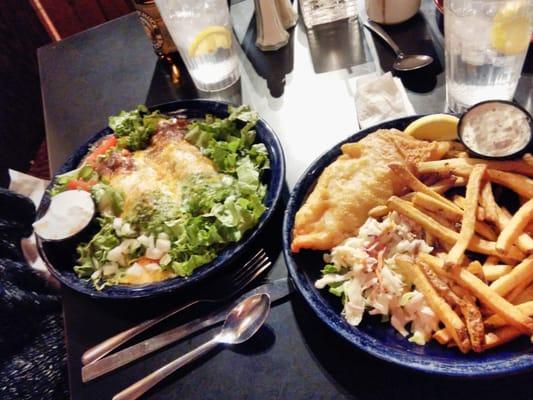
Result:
{"points": [[209, 40], [511, 28]]}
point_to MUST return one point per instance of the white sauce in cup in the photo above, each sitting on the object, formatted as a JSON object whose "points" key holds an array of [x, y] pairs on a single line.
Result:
{"points": [[69, 212], [495, 129]]}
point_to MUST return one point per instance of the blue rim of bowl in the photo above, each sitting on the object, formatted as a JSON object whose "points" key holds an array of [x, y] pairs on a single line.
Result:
{"points": [[228, 255], [460, 368]]}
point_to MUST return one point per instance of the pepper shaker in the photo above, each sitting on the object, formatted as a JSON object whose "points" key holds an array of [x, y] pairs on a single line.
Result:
{"points": [[288, 16], [271, 35]]}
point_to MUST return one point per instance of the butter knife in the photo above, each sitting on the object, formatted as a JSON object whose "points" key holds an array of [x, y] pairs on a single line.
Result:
{"points": [[277, 290]]}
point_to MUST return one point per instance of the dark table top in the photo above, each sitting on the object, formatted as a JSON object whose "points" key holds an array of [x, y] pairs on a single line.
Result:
{"points": [[112, 67]]}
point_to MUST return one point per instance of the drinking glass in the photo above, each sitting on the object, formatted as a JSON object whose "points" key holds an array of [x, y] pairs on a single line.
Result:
{"points": [[486, 45], [201, 30]]}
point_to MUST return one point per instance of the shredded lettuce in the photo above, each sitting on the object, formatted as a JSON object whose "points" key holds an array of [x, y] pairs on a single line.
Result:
{"points": [[85, 173], [336, 289], [135, 128], [93, 255], [108, 200], [329, 269], [225, 142]]}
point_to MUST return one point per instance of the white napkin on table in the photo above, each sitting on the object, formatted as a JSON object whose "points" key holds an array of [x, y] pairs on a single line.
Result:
{"points": [[379, 99], [33, 188]]}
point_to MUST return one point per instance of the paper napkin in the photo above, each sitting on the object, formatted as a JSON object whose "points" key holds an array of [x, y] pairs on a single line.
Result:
{"points": [[33, 188], [379, 99]]}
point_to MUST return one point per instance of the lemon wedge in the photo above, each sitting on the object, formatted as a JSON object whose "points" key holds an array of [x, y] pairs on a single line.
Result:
{"points": [[511, 28], [209, 40], [439, 127]]}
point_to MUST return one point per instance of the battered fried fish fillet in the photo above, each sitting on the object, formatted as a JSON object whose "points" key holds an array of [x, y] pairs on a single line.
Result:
{"points": [[353, 184]]}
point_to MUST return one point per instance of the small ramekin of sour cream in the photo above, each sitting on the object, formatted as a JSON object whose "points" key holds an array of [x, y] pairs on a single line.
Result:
{"points": [[68, 214], [496, 129]]}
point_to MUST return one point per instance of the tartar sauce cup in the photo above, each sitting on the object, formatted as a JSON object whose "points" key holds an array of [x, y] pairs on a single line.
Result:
{"points": [[496, 129]]}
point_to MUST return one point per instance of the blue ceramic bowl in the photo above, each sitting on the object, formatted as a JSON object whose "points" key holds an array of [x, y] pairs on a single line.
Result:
{"points": [[372, 336], [60, 257]]}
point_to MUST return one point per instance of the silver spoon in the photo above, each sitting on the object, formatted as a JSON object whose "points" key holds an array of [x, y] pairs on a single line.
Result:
{"points": [[403, 62], [240, 325]]}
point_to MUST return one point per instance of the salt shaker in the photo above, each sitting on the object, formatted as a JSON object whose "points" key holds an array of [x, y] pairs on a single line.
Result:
{"points": [[271, 34]]}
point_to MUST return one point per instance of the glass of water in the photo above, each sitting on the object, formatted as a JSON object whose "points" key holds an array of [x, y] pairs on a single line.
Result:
{"points": [[201, 30], [486, 44]]}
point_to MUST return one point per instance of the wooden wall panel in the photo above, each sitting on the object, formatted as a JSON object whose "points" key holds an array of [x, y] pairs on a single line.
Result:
{"points": [[88, 12], [67, 17], [115, 8]]}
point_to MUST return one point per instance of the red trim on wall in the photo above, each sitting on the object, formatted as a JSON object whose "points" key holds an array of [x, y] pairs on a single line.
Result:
{"points": [[63, 18]]}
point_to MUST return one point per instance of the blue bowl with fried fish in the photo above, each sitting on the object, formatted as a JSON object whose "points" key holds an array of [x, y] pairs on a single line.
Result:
{"points": [[61, 257], [371, 335]]}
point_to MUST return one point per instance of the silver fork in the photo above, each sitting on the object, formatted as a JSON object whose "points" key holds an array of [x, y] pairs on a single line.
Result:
{"points": [[236, 282]]}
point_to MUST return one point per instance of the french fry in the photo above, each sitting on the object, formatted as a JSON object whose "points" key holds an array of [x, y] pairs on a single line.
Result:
{"points": [[473, 188], [442, 336], [495, 271], [516, 292], [524, 240], [442, 220], [451, 213], [485, 294], [459, 298], [459, 201], [429, 238], [432, 204], [455, 145], [486, 199], [529, 228], [524, 296], [451, 320], [515, 227], [378, 212], [463, 166], [477, 270], [522, 274], [441, 232], [491, 260], [457, 154], [471, 315], [448, 183], [500, 336], [432, 179], [403, 173], [518, 183], [495, 321]]}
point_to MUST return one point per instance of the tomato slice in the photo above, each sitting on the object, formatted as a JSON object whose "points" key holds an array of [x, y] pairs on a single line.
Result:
{"points": [[80, 184], [107, 143]]}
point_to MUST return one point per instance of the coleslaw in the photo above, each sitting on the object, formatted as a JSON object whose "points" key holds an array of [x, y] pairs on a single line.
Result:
{"points": [[362, 271]]}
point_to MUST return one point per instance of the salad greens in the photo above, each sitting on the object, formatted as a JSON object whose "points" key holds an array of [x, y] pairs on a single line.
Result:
{"points": [[85, 174], [135, 128], [108, 200], [214, 210]]}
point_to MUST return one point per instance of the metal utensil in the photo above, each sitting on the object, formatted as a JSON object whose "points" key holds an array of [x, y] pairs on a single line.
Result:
{"points": [[276, 290], [221, 292], [240, 325], [403, 62]]}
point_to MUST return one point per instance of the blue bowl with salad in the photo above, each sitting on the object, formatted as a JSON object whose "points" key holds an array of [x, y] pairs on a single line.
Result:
{"points": [[161, 199]]}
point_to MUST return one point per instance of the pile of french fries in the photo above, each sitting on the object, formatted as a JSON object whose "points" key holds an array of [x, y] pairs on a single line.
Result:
{"points": [[479, 281]]}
